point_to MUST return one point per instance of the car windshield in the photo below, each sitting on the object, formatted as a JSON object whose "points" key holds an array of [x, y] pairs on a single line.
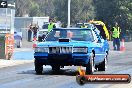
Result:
{"points": [[72, 34]]}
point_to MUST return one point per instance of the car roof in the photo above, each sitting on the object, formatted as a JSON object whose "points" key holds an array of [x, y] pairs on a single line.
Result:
{"points": [[90, 24], [72, 28]]}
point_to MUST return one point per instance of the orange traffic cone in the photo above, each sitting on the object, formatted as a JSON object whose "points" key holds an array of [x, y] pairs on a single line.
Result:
{"points": [[34, 42], [122, 48]]}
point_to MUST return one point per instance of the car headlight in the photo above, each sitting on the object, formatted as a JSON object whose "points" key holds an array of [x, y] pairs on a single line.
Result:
{"points": [[42, 49], [80, 50]]}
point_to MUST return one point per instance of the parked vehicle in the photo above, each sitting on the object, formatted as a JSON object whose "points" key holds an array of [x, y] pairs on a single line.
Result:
{"points": [[41, 34]]}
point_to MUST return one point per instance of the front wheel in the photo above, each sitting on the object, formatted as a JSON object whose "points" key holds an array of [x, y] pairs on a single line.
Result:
{"points": [[90, 66], [38, 67], [103, 65]]}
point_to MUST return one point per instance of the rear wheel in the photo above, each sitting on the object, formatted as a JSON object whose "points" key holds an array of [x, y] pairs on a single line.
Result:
{"points": [[103, 65], [38, 67], [90, 66]]}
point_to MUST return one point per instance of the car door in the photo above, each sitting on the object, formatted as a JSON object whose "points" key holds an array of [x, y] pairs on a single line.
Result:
{"points": [[98, 48]]}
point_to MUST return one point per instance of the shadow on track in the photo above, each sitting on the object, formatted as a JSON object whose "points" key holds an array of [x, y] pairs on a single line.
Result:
{"points": [[66, 72]]}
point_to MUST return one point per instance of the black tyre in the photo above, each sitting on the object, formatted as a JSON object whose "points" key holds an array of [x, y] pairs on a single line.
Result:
{"points": [[55, 68], [38, 67], [81, 80], [90, 66], [103, 65]]}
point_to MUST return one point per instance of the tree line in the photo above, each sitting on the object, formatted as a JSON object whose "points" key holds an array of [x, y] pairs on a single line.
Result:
{"points": [[108, 11]]}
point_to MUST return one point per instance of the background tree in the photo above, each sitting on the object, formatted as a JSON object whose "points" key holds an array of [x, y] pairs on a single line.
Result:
{"points": [[61, 10], [108, 11], [111, 11], [80, 10], [22, 7], [34, 9]]}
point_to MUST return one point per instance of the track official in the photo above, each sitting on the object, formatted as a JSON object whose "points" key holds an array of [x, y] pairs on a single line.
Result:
{"points": [[116, 37], [51, 26]]}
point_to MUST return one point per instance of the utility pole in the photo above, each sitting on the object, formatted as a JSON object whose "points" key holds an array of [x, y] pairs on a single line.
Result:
{"points": [[69, 2], [11, 6]]}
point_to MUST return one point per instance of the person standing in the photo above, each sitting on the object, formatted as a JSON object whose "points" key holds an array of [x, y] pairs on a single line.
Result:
{"points": [[35, 30], [116, 36], [51, 26], [30, 33]]}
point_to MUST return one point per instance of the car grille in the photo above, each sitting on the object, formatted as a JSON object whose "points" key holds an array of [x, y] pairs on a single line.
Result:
{"points": [[60, 50]]}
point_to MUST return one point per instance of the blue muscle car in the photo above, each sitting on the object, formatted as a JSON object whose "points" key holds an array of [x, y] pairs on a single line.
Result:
{"points": [[72, 46]]}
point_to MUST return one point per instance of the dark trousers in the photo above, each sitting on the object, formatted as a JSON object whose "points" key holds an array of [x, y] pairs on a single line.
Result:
{"points": [[116, 43], [29, 35]]}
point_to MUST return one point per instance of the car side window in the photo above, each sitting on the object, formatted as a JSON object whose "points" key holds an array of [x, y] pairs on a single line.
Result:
{"points": [[95, 37]]}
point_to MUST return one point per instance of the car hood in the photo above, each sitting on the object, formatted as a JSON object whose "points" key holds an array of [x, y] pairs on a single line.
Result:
{"points": [[70, 44]]}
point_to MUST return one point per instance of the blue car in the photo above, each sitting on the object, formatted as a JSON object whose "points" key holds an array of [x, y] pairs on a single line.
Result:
{"points": [[72, 46]]}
